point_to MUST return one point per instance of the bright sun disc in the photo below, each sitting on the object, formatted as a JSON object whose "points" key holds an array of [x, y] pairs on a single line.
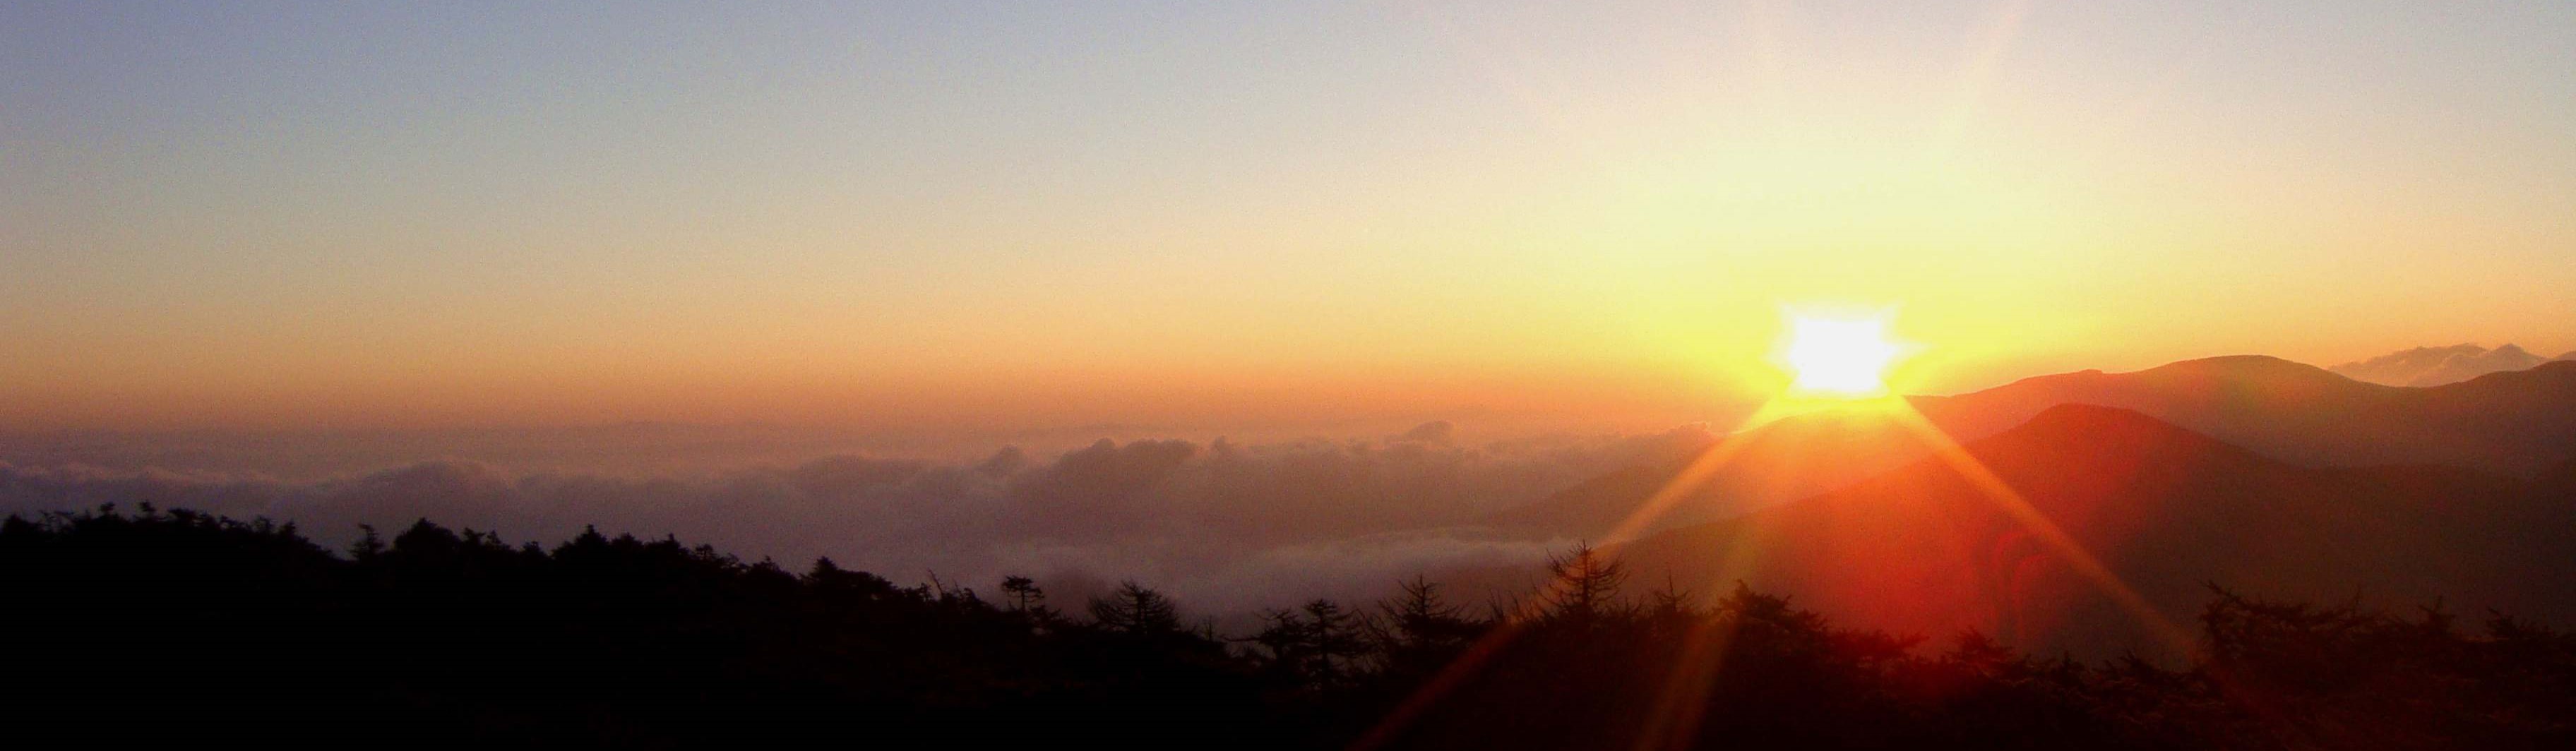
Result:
{"points": [[1844, 358]]}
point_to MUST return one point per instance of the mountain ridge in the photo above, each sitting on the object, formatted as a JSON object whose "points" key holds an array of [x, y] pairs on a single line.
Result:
{"points": [[2168, 510], [2515, 423]]}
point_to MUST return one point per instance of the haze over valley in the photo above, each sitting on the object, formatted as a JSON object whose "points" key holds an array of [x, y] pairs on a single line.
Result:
{"points": [[1234, 526]]}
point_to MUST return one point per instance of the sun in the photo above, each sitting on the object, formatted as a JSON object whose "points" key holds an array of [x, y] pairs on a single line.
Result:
{"points": [[1843, 358]]}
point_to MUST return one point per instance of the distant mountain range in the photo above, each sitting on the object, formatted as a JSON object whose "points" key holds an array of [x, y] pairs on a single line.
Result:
{"points": [[2513, 424], [2434, 366], [2166, 509]]}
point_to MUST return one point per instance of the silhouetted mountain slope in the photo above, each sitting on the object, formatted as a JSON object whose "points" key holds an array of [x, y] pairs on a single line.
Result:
{"points": [[2218, 395], [2166, 509], [2514, 423]]}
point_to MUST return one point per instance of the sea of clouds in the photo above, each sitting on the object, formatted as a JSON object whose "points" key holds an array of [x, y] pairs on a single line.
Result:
{"points": [[1227, 527]]}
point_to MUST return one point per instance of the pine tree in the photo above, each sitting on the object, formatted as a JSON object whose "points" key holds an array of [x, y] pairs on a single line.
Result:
{"points": [[1333, 641], [1586, 585], [1418, 622], [1134, 609], [1023, 593]]}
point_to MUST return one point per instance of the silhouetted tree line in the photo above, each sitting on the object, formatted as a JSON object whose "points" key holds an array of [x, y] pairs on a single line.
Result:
{"points": [[181, 626]]}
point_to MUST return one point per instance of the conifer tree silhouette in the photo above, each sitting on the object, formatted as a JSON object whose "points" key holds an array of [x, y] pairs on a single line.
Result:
{"points": [[459, 639], [1586, 585], [1134, 609], [1418, 631], [1023, 593]]}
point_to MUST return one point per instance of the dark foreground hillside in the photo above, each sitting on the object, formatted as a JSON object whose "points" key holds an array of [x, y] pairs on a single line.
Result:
{"points": [[177, 626]]}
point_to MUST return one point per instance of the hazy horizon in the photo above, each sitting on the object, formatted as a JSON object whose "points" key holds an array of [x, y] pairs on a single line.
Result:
{"points": [[644, 447], [1232, 521]]}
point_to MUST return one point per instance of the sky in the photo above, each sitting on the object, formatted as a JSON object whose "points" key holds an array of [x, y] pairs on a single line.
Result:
{"points": [[1202, 216]]}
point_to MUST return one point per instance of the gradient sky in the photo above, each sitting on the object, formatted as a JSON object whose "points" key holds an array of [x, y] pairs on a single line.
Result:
{"points": [[1013, 215]]}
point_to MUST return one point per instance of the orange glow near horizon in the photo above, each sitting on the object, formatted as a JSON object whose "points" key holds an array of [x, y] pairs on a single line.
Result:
{"points": [[1861, 347]]}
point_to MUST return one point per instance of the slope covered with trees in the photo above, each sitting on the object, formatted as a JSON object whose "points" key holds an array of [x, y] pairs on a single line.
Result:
{"points": [[180, 626]]}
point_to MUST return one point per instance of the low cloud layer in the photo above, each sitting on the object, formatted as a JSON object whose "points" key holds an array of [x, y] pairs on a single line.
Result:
{"points": [[1226, 526], [2435, 366]]}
